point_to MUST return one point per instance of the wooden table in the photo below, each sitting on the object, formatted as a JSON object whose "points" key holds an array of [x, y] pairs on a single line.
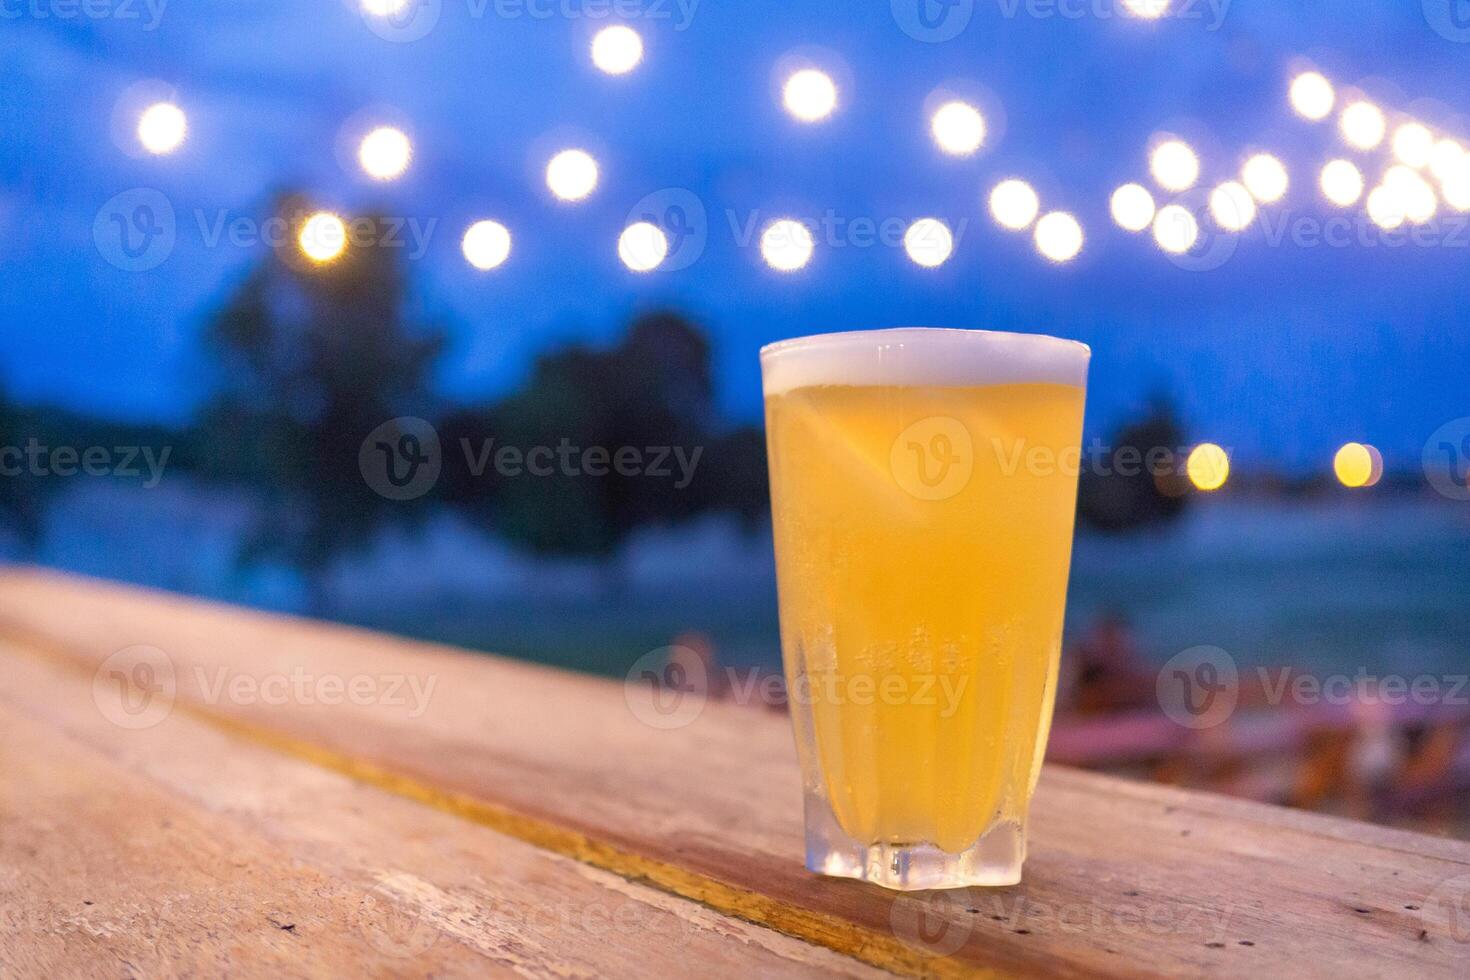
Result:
{"points": [[190, 788]]}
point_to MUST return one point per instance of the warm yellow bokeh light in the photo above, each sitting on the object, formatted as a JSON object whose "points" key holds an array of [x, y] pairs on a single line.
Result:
{"points": [[1456, 188], [323, 237], [1232, 206], [1208, 466], [162, 128], [643, 246], [1013, 204], [1357, 465], [617, 49], [786, 245], [1058, 236], [1445, 158], [1412, 194], [1363, 125], [1341, 182], [958, 128], [1174, 165], [1132, 206], [486, 244], [928, 242], [1147, 9], [1175, 229], [572, 175], [1265, 177], [1385, 209], [810, 95], [1413, 144], [1312, 96], [385, 153]]}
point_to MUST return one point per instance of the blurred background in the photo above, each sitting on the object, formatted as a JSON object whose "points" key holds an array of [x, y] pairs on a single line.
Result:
{"points": [[442, 317]]}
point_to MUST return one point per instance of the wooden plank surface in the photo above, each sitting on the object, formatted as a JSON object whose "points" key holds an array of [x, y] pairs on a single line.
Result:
{"points": [[1124, 879]]}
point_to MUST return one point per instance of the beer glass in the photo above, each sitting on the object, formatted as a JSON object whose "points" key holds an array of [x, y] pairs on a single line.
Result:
{"points": [[923, 490]]}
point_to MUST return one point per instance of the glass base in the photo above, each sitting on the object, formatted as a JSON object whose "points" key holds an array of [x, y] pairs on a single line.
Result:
{"points": [[993, 860]]}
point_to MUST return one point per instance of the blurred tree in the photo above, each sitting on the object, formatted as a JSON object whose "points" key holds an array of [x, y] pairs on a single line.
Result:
{"points": [[1139, 481], [312, 359]]}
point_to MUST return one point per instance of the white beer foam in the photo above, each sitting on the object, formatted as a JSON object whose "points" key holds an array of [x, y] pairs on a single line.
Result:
{"points": [[930, 356]]}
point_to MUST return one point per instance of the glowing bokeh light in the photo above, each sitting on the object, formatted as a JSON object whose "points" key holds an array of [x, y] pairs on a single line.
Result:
{"points": [[1208, 466], [384, 153], [617, 50], [1385, 209], [1133, 207], [1363, 125], [1013, 204], [1412, 194], [323, 237], [384, 8], [1146, 9], [1265, 177], [572, 175], [1174, 165], [1175, 229], [1357, 465], [928, 242], [1232, 206], [162, 128], [958, 128], [1445, 158], [1312, 96], [786, 245], [1341, 182], [486, 244], [1456, 188], [643, 246], [810, 95], [1413, 144], [1058, 236]]}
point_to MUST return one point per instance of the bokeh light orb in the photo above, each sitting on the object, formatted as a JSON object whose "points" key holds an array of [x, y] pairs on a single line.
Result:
{"points": [[323, 237], [1013, 204], [1146, 9], [643, 246], [786, 245], [617, 50], [928, 242], [1208, 466], [1175, 229], [1312, 95], [1385, 208], [384, 8], [1445, 158], [1174, 165], [958, 128], [1413, 144], [1413, 194], [1363, 125], [1058, 236], [1341, 182], [1357, 465], [486, 245], [572, 175], [384, 153], [1265, 177], [1232, 206], [1132, 207], [162, 128], [1456, 188], [809, 95]]}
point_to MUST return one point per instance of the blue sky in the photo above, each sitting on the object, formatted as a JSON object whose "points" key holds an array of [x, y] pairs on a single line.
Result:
{"points": [[1282, 353]]}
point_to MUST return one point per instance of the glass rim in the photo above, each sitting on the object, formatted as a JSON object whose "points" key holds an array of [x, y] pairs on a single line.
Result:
{"points": [[943, 334]]}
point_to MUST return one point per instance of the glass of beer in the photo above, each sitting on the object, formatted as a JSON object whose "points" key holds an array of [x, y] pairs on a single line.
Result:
{"points": [[923, 490]]}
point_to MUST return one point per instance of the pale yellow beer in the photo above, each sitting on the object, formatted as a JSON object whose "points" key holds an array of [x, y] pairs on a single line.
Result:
{"points": [[923, 487]]}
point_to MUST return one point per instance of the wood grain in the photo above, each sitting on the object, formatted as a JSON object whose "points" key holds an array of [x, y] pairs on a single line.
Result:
{"points": [[1124, 879]]}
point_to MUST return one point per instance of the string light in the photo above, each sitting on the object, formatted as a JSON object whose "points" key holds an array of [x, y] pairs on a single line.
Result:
{"points": [[384, 8], [1445, 158], [1384, 208], [1058, 236], [384, 153], [1357, 465], [958, 128], [1013, 204], [928, 242], [1208, 466], [486, 245], [1132, 206], [1413, 144], [643, 246], [1342, 183], [1174, 165], [1265, 178], [323, 237], [1232, 206], [1456, 188], [1147, 9], [1363, 125], [1175, 229], [810, 95], [786, 245], [617, 50], [572, 175], [1312, 96], [1412, 194], [162, 128]]}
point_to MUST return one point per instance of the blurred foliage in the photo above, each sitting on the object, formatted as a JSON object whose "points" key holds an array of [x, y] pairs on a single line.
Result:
{"points": [[1126, 487]]}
